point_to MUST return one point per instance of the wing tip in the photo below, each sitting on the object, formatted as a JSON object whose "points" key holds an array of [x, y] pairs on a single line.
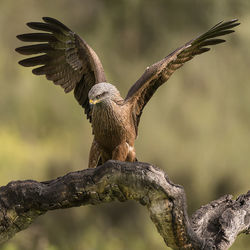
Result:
{"points": [[32, 25], [23, 63], [232, 23], [29, 24], [46, 18], [54, 21], [17, 49], [38, 71], [234, 20], [21, 51], [20, 37]]}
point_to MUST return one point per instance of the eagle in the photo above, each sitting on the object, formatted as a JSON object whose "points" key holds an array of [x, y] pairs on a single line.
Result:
{"points": [[67, 60]]}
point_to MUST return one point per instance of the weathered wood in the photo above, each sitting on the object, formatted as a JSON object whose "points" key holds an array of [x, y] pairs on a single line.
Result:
{"points": [[214, 226]]}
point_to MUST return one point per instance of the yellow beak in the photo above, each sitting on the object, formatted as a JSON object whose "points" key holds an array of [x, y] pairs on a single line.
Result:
{"points": [[93, 101]]}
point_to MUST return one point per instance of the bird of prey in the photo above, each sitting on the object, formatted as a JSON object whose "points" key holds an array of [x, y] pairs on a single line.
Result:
{"points": [[67, 60]]}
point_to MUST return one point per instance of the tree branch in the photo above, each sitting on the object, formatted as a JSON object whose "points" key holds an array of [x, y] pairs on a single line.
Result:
{"points": [[213, 226]]}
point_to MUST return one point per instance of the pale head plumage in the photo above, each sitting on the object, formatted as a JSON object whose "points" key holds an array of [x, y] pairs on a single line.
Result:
{"points": [[104, 91]]}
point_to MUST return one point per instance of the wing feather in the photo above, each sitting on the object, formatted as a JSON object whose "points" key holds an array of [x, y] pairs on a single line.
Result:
{"points": [[155, 75], [64, 58]]}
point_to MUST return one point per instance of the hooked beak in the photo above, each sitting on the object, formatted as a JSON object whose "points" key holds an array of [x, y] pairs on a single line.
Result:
{"points": [[94, 101]]}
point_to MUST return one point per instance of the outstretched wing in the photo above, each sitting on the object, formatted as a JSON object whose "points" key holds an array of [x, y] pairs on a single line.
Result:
{"points": [[155, 75], [66, 59]]}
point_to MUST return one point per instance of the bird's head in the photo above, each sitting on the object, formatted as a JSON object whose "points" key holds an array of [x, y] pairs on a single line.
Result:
{"points": [[103, 92]]}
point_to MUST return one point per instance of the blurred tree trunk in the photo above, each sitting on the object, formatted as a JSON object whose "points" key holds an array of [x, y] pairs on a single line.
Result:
{"points": [[213, 226]]}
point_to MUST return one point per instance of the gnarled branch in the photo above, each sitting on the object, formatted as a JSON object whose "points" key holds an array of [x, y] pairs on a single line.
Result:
{"points": [[214, 226]]}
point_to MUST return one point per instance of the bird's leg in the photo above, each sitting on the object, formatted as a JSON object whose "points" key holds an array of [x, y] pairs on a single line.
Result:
{"points": [[131, 154], [94, 154], [124, 152], [120, 152]]}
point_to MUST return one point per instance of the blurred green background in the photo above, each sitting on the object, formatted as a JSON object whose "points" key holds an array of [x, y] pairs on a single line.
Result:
{"points": [[197, 128]]}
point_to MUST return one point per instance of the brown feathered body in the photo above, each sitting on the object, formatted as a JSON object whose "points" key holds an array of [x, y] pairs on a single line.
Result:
{"points": [[114, 131], [70, 62]]}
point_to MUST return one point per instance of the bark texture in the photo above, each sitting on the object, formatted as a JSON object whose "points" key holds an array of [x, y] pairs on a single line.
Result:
{"points": [[214, 226]]}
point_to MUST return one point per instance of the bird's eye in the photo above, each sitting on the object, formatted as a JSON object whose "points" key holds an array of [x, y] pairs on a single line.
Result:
{"points": [[98, 96]]}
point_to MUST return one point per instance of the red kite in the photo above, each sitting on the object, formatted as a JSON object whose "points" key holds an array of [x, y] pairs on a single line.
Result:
{"points": [[70, 62]]}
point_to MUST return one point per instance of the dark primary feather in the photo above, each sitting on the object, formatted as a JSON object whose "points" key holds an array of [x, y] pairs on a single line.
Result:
{"points": [[155, 75], [65, 58]]}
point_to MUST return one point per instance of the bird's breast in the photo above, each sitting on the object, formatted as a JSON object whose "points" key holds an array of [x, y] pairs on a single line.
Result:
{"points": [[112, 125]]}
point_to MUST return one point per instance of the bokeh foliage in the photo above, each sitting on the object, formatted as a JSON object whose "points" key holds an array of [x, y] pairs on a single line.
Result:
{"points": [[197, 127]]}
